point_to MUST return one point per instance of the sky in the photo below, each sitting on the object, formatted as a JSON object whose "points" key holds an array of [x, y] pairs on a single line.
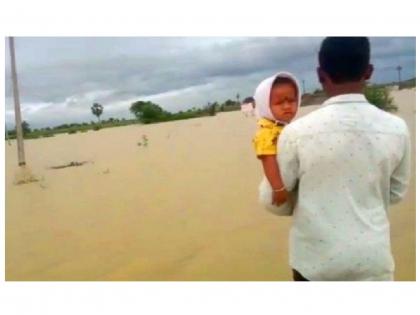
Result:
{"points": [[61, 77]]}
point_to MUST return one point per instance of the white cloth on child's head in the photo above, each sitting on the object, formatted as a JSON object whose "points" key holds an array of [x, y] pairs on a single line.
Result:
{"points": [[263, 91]]}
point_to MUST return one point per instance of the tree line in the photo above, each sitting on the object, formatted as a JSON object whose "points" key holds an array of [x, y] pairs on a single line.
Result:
{"points": [[145, 112]]}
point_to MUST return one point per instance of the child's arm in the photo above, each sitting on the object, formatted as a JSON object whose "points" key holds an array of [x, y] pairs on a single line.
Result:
{"points": [[272, 172]]}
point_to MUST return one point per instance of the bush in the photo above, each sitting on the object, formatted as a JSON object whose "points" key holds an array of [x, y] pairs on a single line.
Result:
{"points": [[11, 133], [32, 136], [97, 127], [71, 131], [381, 98], [407, 84]]}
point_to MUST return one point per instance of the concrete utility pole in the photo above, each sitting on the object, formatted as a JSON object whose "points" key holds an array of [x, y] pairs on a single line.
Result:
{"points": [[18, 117]]}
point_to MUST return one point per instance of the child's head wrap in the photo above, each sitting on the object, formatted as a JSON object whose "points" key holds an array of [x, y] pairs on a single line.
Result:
{"points": [[262, 95]]}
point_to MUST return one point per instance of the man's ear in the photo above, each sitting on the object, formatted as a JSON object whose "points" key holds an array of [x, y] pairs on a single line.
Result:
{"points": [[321, 75], [368, 73]]}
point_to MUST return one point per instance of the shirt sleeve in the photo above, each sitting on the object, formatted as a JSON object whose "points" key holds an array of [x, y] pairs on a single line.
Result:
{"points": [[288, 159], [265, 141], [401, 175]]}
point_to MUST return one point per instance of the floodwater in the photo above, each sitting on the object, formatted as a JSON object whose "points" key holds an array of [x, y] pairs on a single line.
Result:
{"points": [[182, 208]]}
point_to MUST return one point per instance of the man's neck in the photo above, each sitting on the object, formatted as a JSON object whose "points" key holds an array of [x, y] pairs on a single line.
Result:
{"points": [[346, 88]]}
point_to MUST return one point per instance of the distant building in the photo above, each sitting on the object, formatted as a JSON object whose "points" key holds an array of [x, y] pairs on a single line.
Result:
{"points": [[248, 106]]}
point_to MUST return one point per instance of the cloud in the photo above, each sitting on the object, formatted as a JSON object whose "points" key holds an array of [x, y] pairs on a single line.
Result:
{"points": [[70, 74]]}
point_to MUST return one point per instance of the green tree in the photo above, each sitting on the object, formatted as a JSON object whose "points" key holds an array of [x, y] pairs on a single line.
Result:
{"points": [[211, 109], [25, 128], [12, 132], [148, 112], [380, 97], [229, 102], [97, 110]]}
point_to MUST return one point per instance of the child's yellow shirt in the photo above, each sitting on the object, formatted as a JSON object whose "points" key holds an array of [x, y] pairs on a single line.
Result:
{"points": [[265, 140]]}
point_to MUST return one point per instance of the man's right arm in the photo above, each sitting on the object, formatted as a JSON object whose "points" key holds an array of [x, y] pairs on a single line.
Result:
{"points": [[288, 159], [401, 176]]}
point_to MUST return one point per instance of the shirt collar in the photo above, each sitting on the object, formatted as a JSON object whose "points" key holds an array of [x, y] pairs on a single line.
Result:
{"points": [[346, 98]]}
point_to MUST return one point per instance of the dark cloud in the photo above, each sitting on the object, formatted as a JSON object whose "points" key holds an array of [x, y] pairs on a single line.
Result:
{"points": [[163, 71], [75, 72]]}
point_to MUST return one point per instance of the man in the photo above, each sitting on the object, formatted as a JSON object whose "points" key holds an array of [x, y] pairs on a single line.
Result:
{"points": [[351, 161]]}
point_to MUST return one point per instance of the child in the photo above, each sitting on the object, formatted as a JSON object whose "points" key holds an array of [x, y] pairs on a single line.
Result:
{"points": [[277, 101]]}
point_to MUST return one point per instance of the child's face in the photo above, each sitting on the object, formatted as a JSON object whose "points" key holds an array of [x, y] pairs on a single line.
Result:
{"points": [[283, 101]]}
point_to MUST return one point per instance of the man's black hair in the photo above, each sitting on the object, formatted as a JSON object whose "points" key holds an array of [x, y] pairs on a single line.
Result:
{"points": [[344, 59]]}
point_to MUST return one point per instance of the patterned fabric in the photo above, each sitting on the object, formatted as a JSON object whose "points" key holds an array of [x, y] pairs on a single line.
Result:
{"points": [[350, 160]]}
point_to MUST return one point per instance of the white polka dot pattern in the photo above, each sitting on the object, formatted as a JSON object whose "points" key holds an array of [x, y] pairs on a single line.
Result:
{"points": [[350, 160]]}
